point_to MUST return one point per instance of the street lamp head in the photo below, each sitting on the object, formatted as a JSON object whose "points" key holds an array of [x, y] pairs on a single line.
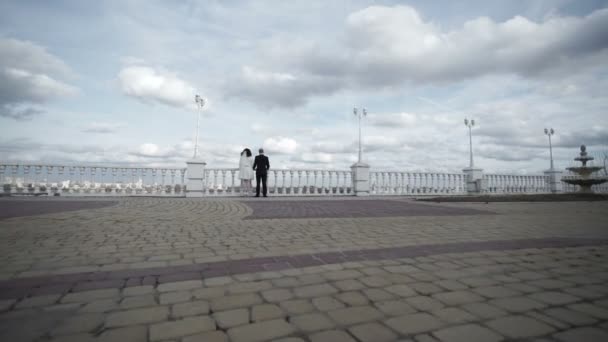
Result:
{"points": [[364, 112], [199, 100], [546, 131], [472, 122], [466, 121], [355, 111], [552, 131]]}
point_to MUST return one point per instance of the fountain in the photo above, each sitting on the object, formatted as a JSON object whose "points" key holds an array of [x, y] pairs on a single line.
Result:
{"points": [[584, 178]]}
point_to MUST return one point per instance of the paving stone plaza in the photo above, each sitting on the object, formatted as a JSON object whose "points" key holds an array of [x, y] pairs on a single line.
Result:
{"points": [[280, 269]]}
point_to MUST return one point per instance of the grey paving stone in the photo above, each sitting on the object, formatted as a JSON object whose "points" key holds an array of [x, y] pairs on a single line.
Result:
{"points": [[587, 334], [354, 315], [235, 301], [353, 298], [180, 286], [191, 308], [316, 290], [425, 288], [454, 315], [451, 284], [136, 333], [90, 296], [517, 304], [590, 309], [457, 297], [312, 322], [548, 319], [331, 336], [298, 306], [174, 297], [496, 292], [570, 316], [137, 302], [377, 294], [210, 336], [404, 290], [180, 328], [484, 310], [349, 285], [424, 303], [277, 295], [5, 305], [519, 327], [138, 290], [554, 298], [372, 332], [137, 316], [264, 312], [414, 323], [467, 333], [79, 324], [231, 318], [395, 307], [262, 331], [327, 303], [38, 301], [102, 305]]}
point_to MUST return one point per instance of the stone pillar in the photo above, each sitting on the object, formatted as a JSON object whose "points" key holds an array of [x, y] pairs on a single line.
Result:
{"points": [[195, 176], [360, 179], [554, 180], [475, 181]]}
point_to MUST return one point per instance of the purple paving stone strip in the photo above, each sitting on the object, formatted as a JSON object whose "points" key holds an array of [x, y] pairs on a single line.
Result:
{"points": [[169, 278], [18, 208], [345, 209], [58, 284]]}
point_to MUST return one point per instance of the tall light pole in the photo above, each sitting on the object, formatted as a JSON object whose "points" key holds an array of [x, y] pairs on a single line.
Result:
{"points": [[470, 124], [549, 132], [359, 114], [200, 103]]}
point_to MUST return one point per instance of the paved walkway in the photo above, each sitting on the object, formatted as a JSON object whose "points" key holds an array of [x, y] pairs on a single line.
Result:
{"points": [[152, 269]]}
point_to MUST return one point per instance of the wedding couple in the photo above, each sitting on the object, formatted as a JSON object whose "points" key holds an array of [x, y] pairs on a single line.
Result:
{"points": [[261, 165]]}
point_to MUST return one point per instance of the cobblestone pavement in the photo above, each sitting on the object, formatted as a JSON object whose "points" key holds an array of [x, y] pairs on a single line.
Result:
{"points": [[482, 272]]}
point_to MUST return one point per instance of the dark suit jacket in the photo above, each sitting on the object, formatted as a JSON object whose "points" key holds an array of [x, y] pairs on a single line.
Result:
{"points": [[261, 165]]}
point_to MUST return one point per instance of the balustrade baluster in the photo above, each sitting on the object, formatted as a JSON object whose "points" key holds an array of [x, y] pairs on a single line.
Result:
{"points": [[233, 175], [183, 183], [291, 182], [299, 186]]}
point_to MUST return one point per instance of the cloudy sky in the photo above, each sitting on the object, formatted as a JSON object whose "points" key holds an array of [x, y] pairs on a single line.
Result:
{"points": [[114, 81]]}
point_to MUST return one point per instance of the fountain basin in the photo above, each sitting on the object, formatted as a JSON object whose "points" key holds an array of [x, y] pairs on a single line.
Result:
{"points": [[584, 170]]}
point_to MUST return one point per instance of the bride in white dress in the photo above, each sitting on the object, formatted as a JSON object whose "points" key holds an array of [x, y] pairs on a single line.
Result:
{"points": [[246, 171]]}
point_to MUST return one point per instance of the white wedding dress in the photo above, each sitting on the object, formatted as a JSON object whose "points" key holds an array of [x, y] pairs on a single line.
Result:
{"points": [[246, 167]]}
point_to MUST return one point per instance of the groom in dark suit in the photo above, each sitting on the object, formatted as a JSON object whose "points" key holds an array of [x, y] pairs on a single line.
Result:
{"points": [[261, 165]]}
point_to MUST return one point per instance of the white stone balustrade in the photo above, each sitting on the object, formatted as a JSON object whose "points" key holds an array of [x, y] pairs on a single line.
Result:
{"points": [[78, 180], [513, 184], [81, 180], [416, 183], [226, 182]]}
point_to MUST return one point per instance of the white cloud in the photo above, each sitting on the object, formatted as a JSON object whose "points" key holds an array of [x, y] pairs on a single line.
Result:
{"points": [[383, 46], [398, 120], [278, 89], [102, 127], [280, 145], [315, 158], [151, 85], [28, 78]]}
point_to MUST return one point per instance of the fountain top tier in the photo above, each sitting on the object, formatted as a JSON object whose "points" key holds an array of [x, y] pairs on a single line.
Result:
{"points": [[583, 158]]}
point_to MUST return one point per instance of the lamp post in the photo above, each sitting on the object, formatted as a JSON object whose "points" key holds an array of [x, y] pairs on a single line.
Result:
{"points": [[470, 125], [200, 103], [549, 132], [359, 114]]}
